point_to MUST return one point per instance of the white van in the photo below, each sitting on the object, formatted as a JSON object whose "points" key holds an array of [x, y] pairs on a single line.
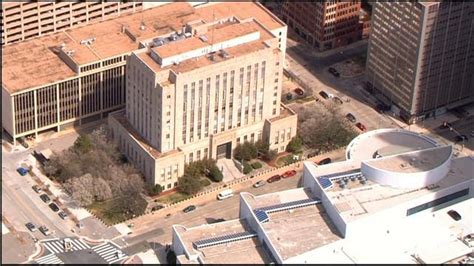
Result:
{"points": [[224, 194]]}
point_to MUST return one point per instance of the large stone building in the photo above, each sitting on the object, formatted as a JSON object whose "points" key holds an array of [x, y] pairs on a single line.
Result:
{"points": [[325, 24], [421, 56], [198, 91], [76, 76], [23, 20]]}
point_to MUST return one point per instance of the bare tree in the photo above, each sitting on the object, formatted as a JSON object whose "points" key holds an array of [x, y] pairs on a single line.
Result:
{"points": [[101, 190]]}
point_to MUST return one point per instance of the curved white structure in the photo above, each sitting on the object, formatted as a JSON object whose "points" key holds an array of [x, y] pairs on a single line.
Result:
{"points": [[384, 142], [410, 170]]}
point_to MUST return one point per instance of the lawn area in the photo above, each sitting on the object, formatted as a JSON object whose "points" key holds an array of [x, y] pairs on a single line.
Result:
{"points": [[285, 160], [116, 210], [306, 99], [172, 198]]}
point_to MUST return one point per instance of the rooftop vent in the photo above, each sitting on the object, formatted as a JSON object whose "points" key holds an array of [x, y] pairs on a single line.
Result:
{"points": [[70, 53], [88, 41], [203, 38], [142, 26], [224, 54]]}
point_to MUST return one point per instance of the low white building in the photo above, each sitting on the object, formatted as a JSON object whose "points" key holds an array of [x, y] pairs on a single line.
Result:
{"points": [[388, 209]]}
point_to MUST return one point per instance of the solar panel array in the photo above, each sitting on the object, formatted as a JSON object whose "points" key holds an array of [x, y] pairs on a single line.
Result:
{"points": [[290, 205], [208, 242], [262, 216], [325, 182], [346, 176]]}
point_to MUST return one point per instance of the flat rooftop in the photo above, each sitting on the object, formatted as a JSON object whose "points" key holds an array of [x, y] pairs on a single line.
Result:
{"points": [[203, 61], [386, 142], [34, 63], [243, 251], [357, 200], [310, 226]]}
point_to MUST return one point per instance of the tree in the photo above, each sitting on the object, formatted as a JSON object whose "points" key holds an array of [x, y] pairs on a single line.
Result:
{"points": [[83, 144], [80, 189], [189, 185], [246, 151], [215, 174], [294, 145], [262, 147], [154, 190], [101, 189], [270, 155], [171, 257]]}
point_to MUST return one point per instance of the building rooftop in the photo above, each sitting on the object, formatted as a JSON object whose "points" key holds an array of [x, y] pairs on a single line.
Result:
{"points": [[310, 225], [385, 142], [357, 200], [34, 63], [244, 251]]}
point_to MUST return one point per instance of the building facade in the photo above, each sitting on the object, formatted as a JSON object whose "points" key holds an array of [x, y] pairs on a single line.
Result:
{"points": [[199, 92], [324, 24], [420, 57]]}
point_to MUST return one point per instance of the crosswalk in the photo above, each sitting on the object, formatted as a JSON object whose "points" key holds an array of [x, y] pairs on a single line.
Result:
{"points": [[57, 246], [49, 259], [110, 252]]}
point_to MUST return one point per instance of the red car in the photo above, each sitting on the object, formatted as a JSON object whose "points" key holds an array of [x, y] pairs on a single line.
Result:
{"points": [[299, 91], [288, 174], [274, 178], [360, 126]]}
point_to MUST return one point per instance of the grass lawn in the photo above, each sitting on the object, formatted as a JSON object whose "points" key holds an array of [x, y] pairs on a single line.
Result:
{"points": [[306, 99], [119, 209], [174, 197]]}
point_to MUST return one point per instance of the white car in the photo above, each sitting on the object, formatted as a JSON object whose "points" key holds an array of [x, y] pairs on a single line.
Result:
{"points": [[259, 184]]}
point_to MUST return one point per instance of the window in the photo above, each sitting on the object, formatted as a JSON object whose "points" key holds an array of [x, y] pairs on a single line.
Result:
{"points": [[437, 202], [169, 186]]}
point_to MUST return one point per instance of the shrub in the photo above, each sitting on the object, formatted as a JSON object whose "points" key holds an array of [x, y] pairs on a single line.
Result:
{"points": [[270, 155], [171, 257], [83, 144], [247, 168], [215, 174], [294, 145], [205, 182], [154, 190], [256, 165]]}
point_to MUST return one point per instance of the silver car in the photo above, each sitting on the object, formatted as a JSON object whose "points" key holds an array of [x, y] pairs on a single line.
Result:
{"points": [[259, 184]]}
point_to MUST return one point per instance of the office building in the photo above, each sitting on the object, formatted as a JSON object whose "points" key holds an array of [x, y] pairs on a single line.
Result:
{"points": [[76, 76], [387, 203], [209, 79], [324, 24], [421, 56], [23, 20]]}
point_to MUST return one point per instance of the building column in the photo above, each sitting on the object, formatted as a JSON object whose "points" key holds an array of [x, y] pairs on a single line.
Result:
{"points": [[35, 101], [101, 94], [58, 106], [80, 100]]}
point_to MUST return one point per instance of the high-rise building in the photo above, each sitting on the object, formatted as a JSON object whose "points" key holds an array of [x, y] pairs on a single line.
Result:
{"points": [[23, 20], [209, 80], [324, 24], [421, 56]]}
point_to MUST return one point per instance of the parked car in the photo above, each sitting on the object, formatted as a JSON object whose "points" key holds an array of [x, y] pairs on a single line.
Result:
{"points": [[299, 91], [63, 215], [351, 117], [45, 230], [337, 100], [289, 96], [274, 178], [472, 133], [360, 126], [334, 72], [461, 138], [31, 227], [22, 171], [324, 161], [446, 125], [289, 173], [324, 94], [190, 208], [45, 198], [455, 215], [53, 207], [80, 225], [381, 108], [224, 194], [259, 184], [37, 189]]}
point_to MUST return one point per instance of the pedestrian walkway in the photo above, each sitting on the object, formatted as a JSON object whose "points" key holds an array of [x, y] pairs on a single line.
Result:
{"points": [[57, 246], [49, 259], [110, 252]]}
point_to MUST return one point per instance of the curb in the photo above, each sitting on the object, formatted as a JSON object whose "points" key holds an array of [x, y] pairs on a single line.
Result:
{"points": [[39, 251]]}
